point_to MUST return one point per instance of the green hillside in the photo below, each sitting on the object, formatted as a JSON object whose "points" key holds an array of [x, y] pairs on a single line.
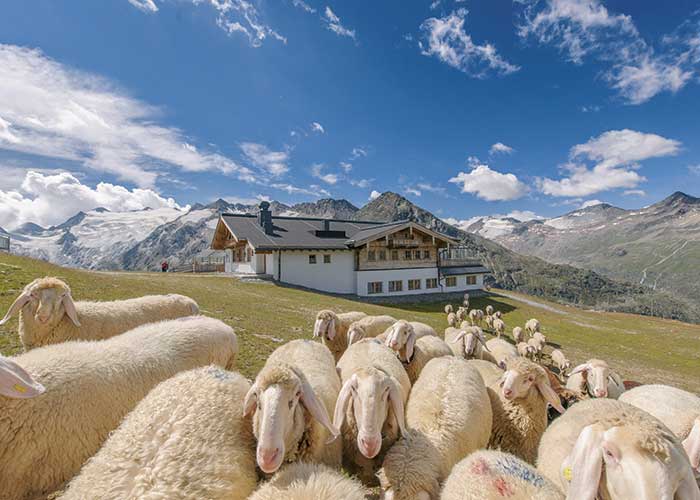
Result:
{"points": [[263, 314]]}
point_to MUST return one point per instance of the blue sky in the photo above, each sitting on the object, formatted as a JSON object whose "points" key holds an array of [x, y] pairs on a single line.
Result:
{"points": [[466, 107]]}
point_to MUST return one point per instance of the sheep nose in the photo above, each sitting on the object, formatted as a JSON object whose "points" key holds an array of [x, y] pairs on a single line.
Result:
{"points": [[508, 393], [268, 459], [42, 319], [370, 446], [601, 393]]}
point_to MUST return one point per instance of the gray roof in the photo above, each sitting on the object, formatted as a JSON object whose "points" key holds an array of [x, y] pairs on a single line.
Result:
{"points": [[459, 271], [372, 233]]}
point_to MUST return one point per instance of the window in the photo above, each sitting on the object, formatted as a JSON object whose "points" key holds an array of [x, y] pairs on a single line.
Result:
{"points": [[394, 255], [414, 284], [431, 283], [396, 286], [416, 254], [327, 259], [426, 254], [471, 280], [409, 255], [371, 255], [312, 259], [382, 254], [451, 281], [374, 287]]}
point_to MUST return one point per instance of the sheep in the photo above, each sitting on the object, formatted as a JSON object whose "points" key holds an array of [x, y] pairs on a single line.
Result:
{"points": [[466, 300], [448, 309], [452, 319], [289, 402], [426, 348], [402, 337], [332, 328], [499, 351], [560, 361], [596, 379], [499, 327], [48, 314], [642, 457], [91, 386], [519, 405], [679, 410], [526, 350], [370, 406], [490, 372], [494, 475], [187, 439], [449, 416], [489, 310], [306, 481], [532, 326], [369, 327], [518, 335], [462, 313], [537, 344], [488, 319], [476, 316], [467, 342], [498, 314]]}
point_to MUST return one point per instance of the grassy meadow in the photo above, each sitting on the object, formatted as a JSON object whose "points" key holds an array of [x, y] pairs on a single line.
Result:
{"points": [[648, 350]]}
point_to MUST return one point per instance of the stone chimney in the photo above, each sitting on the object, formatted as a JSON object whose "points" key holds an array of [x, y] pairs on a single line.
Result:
{"points": [[265, 217]]}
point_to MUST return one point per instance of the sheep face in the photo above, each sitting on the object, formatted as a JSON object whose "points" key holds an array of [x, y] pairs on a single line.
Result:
{"points": [[517, 384], [45, 300], [370, 392], [596, 375], [16, 383], [325, 325], [401, 335], [355, 334], [471, 337], [630, 470]]}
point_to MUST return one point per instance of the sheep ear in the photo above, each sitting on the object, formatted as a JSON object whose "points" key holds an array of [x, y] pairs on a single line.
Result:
{"points": [[397, 405], [691, 444], [16, 306], [341, 404], [250, 401], [390, 334], [580, 369], [355, 335], [69, 306], [548, 394], [316, 408], [331, 329], [16, 383], [585, 464], [317, 327], [481, 339], [410, 344]]}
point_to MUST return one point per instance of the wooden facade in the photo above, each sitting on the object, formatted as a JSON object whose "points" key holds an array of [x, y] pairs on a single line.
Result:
{"points": [[408, 248]]}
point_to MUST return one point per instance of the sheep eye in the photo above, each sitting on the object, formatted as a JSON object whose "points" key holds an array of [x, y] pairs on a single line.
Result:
{"points": [[291, 403]]}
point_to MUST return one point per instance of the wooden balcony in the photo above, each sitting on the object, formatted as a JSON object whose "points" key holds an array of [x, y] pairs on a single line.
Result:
{"points": [[457, 257]]}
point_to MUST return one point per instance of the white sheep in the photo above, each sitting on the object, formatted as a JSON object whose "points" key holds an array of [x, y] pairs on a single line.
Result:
{"points": [[370, 407], [448, 309], [519, 404], [187, 439], [332, 328], [90, 387], [307, 481], [452, 319], [679, 410], [499, 327], [489, 310], [560, 361], [426, 348], [499, 351], [369, 327], [467, 342], [476, 316], [518, 335], [498, 314], [602, 448], [494, 475], [48, 314], [488, 319], [449, 416], [462, 313], [490, 372], [526, 350], [402, 337], [596, 379], [532, 326], [289, 402], [538, 346]]}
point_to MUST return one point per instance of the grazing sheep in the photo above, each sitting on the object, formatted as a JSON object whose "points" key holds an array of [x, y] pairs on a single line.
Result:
{"points": [[48, 314], [402, 337], [679, 410], [494, 475], [369, 327], [448, 309], [490, 372], [498, 314], [519, 405], [560, 361], [467, 342], [305, 481], [596, 379], [449, 416], [452, 320], [462, 313], [532, 326], [499, 327], [640, 457], [518, 335], [289, 402], [538, 346], [539, 336], [370, 406], [488, 319], [526, 350], [426, 348], [499, 351], [489, 310], [187, 439], [476, 316], [332, 328], [90, 387]]}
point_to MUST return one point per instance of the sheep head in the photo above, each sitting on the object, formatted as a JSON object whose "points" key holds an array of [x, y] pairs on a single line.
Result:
{"points": [[596, 374], [355, 333], [370, 392], [523, 376], [275, 400], [401, 335], [692, 445], [325, 325], [471, 336], [16, 383], [45, 300]]}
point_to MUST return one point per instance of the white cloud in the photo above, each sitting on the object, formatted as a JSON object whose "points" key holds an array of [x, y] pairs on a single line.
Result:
{"points": [[644, 78], [347, 167], [616, 154], [499, 147], [313, 190], [635, 192], [333, 23], [590, 203], [374, 195], [524, 215], [489, 184], [361, 183], [358, 152], [51, 199], [317, 127], [144, 5], [446, 39], [317, 171], [412, 190], [273, 162], [590, 109], [51, 110], [425, 186], [300, 4]]}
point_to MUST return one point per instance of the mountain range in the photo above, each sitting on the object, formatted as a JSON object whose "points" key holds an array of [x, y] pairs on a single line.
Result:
{"points": [[632, 261]]}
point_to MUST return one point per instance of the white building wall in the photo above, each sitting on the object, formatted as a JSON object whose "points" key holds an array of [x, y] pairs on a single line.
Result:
{"points": [[271, 264], [365, 277], [336, 277]]}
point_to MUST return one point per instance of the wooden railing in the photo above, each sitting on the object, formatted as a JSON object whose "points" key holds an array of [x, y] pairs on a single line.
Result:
{"points": [[457, 257]]}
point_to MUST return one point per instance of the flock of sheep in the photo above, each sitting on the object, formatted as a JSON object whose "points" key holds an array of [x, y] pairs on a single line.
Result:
{"points": [[138, 399]]}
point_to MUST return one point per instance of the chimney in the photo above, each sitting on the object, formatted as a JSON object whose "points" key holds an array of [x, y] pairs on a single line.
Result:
{"points": [[265, 217]]}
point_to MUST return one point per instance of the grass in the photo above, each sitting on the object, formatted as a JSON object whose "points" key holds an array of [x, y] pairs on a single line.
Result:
{"points": [[645, 349]]}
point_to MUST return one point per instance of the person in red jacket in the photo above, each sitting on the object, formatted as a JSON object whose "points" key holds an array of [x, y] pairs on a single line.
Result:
{"points": [[164, 266]]}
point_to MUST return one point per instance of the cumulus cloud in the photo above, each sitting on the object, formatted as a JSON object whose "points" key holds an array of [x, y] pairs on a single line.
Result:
{"points": [[51, 199], [273, 162], [446, 39], [333, 23], [317, 127], [374, 195], [51, 110], [317, 171], [590, 203], [616, 155], [489, 184], [499, 147]]}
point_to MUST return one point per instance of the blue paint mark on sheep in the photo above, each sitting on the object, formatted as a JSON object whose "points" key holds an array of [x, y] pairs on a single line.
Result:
{"points": [[218, 373], [513, 467]]}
